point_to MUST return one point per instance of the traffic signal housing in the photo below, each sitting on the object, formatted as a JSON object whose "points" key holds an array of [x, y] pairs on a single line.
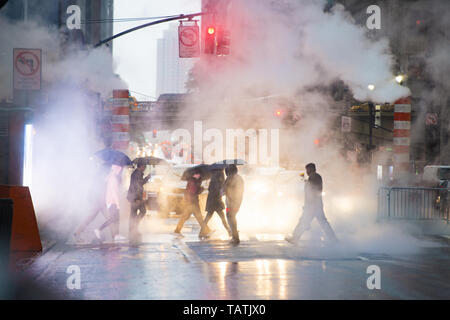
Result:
{"points": [[210, 40], [223, 42]]}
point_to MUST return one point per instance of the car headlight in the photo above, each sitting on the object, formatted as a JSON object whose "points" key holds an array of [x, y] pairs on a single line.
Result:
{"points": [[344, 204], [260, 187]]}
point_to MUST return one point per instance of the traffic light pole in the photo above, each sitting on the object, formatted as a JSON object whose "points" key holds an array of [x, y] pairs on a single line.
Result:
{"points": [[371, 124], [179, 17]]}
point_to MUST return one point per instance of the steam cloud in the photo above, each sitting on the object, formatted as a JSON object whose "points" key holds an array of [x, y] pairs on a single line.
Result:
{"points": [[287, 49], [65, 134]]}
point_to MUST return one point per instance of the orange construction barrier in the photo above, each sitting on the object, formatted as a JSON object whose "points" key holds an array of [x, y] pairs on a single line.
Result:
{"points": [[25, 231]]}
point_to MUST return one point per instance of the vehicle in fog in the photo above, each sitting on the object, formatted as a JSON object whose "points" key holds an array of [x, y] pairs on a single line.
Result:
{"points": [[271, 185], [436, 176]]}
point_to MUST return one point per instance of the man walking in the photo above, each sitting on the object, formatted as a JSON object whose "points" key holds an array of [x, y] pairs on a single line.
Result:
{"points": [[192, 206], [234, 190], [135, 196], [313, 207]]}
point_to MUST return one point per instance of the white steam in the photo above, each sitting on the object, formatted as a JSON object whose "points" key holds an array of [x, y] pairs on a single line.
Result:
{"points": [[64, 119], [292, 49]]}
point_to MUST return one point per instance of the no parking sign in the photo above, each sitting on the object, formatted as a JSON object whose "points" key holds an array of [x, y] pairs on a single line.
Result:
{"points": [[27, 69]]}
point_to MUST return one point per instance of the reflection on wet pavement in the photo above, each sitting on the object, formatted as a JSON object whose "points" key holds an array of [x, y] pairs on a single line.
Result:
{"points": [[263, 266]]}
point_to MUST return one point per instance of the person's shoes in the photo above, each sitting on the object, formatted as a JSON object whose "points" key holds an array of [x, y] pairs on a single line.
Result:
{"points": [[97, 234], [119, 238], [235, 241], [177, 234]]}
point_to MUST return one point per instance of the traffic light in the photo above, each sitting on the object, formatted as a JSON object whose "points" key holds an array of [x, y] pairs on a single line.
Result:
{"points": [[278, 113], [223, 42], [210, 40]]}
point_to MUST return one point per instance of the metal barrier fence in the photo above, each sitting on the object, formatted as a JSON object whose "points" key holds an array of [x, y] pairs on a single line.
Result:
{"points": [[413, 203]]}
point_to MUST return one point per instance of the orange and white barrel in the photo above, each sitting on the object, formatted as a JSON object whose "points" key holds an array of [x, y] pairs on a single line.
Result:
{"points": [[120, 120], [402, 136]]}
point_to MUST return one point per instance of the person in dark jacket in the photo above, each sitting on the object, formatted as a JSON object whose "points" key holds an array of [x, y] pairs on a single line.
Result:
{"points": [[192, 206], [214, 202], [313, 207], [233, 189], [135, 197]]}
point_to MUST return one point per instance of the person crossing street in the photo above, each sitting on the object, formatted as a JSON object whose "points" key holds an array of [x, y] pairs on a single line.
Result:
{"points": [[313, 208], [135, 197], [234, 190], [192, 206]]}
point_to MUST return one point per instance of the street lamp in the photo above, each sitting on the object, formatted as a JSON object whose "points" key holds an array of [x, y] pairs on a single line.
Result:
{"points": [[371, 87]]}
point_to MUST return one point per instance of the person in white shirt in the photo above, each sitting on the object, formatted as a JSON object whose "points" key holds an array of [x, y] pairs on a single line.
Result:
{"points": [[112, 204]]}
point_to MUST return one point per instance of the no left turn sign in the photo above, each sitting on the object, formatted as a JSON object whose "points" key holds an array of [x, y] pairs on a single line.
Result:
{"points": [[27, 69], [431, 119]]}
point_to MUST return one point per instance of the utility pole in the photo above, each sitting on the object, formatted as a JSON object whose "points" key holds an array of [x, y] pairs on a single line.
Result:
{"points": [[371, 123], [179, 17]]}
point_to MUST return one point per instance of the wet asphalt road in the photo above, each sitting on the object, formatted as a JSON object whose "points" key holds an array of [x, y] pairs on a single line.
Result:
{"points": [[263, 267]]}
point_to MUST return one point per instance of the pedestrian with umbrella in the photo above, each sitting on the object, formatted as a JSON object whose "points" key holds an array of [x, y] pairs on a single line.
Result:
{"points": [[233, 189], [96, 197], [135, 197], [191, 202], [112, 204], [214, 201], [104, 191]]}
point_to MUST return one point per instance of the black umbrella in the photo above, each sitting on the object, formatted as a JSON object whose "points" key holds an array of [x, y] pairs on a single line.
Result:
{"points": [[203, 169], [111, 156], [220, 165], [152, 161]]}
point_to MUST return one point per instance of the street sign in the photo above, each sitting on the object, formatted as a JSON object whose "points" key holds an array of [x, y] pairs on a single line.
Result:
{"points": [[346, 124], [431, 119], [27, 69], [378, 115], [188, 41]]}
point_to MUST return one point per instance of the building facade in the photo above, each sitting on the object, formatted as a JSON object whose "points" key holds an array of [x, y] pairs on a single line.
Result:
{"points": [[416, 31], [95, 16]]}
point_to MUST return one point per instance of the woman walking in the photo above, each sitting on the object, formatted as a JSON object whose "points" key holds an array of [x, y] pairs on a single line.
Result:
{"points": [[214, 202]]}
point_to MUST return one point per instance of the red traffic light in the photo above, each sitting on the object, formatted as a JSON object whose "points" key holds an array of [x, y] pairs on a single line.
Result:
{"points": [[278, 113], [210, 40], [316, 141]]}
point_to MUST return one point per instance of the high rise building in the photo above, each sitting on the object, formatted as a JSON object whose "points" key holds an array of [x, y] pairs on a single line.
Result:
{"points": [[172, 71], [94, 15]]}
